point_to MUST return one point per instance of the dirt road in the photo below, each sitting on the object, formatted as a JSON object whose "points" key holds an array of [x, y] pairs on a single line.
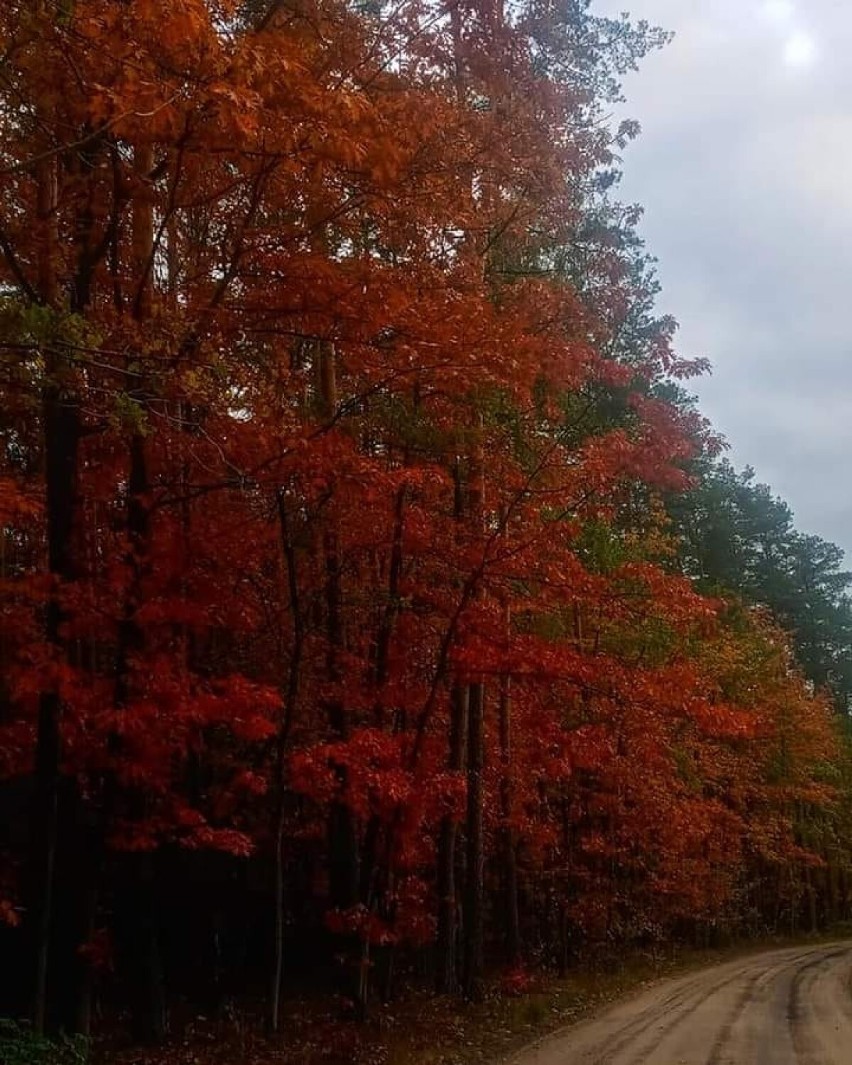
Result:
{"points": [[787, 1007]]}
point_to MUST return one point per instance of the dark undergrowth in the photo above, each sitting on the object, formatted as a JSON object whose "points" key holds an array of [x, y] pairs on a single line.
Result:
{"points": [[421, 1029]]}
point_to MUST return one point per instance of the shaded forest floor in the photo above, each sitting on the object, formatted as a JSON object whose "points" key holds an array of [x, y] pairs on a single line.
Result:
{"points": [[421, 1029]]}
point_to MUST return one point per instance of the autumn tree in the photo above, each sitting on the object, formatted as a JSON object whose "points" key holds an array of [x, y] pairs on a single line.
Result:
{"points": [[341, 611]]}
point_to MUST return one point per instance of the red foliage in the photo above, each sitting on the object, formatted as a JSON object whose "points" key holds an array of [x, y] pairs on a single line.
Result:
{"points": [[339, 450]]}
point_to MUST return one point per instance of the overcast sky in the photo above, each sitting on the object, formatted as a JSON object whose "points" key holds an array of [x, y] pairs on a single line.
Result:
{"points": [[744, 167]]}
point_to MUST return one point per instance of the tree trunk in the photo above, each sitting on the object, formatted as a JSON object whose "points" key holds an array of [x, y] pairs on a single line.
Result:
{"points": [[510, 868], [61, 429], [141, 925], [343, 852], [474, 917], [290, 696], [61, 440], [474, 886], [446, 977], [142, 940]]}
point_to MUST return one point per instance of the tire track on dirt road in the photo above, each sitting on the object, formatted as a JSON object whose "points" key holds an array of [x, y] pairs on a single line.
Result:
{"points": [[783, 1007]]}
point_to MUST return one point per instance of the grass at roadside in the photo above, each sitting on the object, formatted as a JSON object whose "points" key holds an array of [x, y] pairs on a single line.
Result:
{"points": [[447, 1033], [418, 1029]]}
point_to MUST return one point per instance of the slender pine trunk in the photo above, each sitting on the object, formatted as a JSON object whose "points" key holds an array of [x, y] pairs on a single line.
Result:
{"points": [[447, 974], [474, 885], [509, 856], [61, 421]]}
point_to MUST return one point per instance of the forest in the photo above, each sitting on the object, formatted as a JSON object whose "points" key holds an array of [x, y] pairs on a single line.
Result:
{"points": [[376, 605]]}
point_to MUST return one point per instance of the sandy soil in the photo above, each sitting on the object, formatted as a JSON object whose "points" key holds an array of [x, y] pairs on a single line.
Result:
{"points": [[786, 1007]]}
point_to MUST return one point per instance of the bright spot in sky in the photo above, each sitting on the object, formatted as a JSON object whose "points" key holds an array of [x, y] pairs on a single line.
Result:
{"points": [[800, 50]]}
